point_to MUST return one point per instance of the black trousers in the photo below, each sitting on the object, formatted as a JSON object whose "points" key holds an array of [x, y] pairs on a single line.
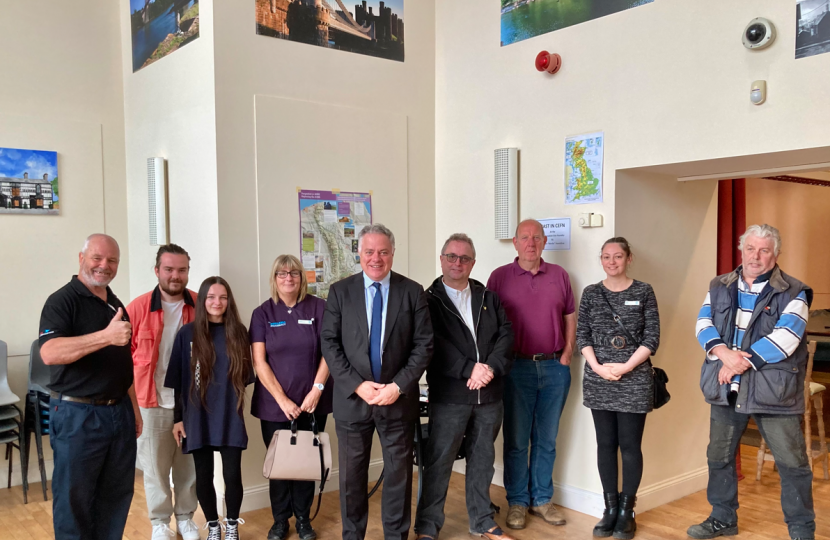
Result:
{"points": [[448, 423], [231, 472], [396, 440], [291, 497], [623, 432]]}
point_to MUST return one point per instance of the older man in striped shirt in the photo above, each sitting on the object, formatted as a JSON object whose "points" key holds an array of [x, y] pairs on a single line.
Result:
{"points": [[752, 326]]}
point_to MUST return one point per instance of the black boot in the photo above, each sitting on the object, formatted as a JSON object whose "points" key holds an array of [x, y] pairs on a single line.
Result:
{"points": [[625, 527], [605, 527]]}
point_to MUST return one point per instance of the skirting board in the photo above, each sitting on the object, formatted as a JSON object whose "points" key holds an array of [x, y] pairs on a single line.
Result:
{"points": [[592, 503], [256, 497]]}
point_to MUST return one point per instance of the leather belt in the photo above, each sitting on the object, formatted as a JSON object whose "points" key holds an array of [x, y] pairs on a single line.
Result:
{"points": [[538, 357], [86, 401]]}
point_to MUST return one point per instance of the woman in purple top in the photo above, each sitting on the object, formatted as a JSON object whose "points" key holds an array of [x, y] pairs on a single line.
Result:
{"points": [[292, 379]]}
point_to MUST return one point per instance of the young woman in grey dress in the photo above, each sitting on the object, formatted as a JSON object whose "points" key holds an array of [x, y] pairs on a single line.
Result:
{"points": [[618, 386]]}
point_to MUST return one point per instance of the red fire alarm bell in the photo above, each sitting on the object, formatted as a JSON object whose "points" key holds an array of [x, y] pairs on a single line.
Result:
{"points": [[546, 61]]}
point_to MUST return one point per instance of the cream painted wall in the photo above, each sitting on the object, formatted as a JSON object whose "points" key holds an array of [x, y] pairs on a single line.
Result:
{"points": [[62, 91], [169, 112], [675, 250], [661, 98], [800, 212], [248, 65]]}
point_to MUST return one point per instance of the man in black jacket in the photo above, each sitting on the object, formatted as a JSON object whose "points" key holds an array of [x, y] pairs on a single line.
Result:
{"points": [[472, 354]]}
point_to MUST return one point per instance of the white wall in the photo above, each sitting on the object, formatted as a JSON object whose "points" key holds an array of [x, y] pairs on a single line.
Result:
{"points": [[169, 112], [248, 65], [62, 91], [659, 97]]}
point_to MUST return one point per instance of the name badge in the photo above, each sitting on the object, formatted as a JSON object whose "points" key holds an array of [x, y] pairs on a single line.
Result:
{"points": [[305, 321], [632, 302], [277, 324]]}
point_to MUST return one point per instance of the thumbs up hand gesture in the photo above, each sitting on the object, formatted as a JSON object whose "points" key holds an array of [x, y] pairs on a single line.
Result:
{"points": [[119, 331]]}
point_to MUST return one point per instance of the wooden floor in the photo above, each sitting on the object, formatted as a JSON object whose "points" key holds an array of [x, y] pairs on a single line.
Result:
{"points": [[760, 514]]}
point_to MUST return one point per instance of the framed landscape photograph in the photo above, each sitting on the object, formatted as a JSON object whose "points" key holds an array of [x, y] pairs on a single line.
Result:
{"points": [[160, 27]]}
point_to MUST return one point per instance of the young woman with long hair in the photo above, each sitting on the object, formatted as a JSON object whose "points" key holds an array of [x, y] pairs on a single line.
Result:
{"points": [[210, 366]]}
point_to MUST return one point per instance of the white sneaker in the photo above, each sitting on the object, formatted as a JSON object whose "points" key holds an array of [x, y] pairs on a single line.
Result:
{"points": [[162, 532], [188, 530]]}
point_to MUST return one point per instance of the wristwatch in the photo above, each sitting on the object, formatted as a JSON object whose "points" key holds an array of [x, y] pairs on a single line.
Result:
{"points": [[320, 386]]}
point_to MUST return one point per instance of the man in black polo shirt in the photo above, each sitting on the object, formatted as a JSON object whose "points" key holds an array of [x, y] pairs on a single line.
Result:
{"points": [[85, 338]]}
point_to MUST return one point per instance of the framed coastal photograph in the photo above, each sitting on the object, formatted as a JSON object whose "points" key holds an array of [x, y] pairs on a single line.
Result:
{"points": [[29, 182], [370, 27], [524, 19], [160, 27]]}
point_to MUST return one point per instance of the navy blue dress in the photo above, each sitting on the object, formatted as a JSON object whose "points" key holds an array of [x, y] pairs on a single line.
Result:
{"points": [[221, 424]]}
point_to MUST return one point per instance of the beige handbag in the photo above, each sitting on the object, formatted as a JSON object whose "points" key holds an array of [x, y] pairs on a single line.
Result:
{"points": [[299, 455]]}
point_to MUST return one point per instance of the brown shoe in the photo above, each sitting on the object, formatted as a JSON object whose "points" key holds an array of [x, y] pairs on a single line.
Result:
{"points": [[549, 513], [496, 534], [516, 516]]}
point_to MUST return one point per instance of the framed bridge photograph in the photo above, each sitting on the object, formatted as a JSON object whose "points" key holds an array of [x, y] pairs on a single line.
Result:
{"points": [[371, 27], [29, 182]]}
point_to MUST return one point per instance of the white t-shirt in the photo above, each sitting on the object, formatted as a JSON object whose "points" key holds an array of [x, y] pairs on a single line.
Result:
{"points": [[172, 324]]}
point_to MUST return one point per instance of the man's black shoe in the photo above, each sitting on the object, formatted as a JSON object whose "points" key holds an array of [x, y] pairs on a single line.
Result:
{"points": [[712, 528], [304, 530], [279, 530]]}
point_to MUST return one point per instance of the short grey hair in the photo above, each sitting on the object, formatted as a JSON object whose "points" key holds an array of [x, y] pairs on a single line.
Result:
{"points": [[459, 237], [762, 231], [96, 236], [375, 228]]}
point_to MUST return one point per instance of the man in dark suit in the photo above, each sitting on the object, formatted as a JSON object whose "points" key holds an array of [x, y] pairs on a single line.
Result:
{"points": [[377, 341]]}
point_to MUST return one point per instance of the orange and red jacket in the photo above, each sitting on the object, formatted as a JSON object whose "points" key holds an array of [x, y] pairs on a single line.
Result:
{"points": [[147, 318]]}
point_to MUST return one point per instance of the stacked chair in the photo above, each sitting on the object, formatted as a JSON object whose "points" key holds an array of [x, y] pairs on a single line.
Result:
{"points": [[11, 429], [37, 412]]}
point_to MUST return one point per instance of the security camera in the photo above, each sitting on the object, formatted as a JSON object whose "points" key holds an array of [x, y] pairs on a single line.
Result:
{"points": [[759, 33]]}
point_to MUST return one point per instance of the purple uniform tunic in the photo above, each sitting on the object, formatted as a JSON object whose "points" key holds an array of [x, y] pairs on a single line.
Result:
{"points": [[292, 349], [535, 304]]}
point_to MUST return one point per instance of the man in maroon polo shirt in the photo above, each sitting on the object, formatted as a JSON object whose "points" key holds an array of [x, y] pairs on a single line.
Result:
{"points": [[538, 300]]}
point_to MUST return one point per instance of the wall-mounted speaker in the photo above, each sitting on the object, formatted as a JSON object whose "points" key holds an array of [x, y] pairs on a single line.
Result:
{"points": [[157, 197], [507, 192]]}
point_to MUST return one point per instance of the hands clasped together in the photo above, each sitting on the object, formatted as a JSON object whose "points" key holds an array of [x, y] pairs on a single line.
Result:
{"points": [[612, 372], [734, 363]]}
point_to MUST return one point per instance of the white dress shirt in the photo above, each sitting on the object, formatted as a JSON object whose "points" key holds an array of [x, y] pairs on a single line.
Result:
{"points": [[463, 302]]}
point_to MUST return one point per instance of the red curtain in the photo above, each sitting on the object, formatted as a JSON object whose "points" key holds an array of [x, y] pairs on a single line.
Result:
{"points": [[731, 225], [731, 222]]}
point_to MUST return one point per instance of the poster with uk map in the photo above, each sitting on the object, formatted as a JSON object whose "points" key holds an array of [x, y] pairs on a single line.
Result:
{"points": [[583, 168], [329, 224]]}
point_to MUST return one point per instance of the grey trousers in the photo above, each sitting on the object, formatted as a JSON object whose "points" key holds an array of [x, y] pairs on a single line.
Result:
{"points": [[786, 442], [158, 453], [449, 423]]}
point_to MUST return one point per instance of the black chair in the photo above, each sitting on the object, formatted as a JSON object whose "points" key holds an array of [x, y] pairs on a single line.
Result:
{"points": [[37, 413]]}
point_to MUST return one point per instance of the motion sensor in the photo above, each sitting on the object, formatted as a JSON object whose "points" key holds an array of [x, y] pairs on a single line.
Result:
{"points": [[759, 33]]}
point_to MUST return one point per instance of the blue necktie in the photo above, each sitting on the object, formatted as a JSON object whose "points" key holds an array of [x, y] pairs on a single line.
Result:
{"points": [[375, 335]]}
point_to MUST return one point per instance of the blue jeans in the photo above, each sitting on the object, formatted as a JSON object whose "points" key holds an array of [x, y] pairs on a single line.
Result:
{"points": [[92, 485], [534, 396]]}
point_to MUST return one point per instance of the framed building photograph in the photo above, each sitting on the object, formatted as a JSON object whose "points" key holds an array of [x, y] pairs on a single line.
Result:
{"points": [[370, 27], [29, 182]]}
